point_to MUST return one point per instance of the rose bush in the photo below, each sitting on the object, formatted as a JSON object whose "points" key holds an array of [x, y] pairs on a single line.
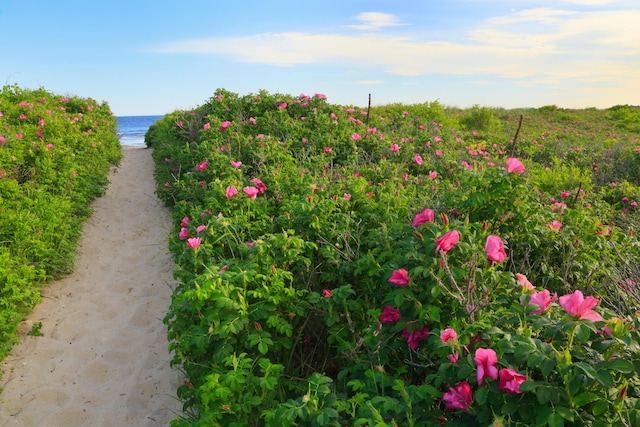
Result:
{"points": [[55, 152], [393, 267]]}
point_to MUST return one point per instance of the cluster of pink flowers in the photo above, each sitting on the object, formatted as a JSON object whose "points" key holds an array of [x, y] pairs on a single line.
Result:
{"points": [[202, 166], [460, 397]]}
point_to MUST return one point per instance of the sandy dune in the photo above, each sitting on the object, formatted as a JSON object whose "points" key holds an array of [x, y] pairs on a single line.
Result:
{"points": [[103, 359]]}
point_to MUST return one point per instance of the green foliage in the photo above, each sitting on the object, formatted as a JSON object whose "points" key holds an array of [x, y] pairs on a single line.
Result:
{"points": [[36, 330], [55, 153], [286, 315]]}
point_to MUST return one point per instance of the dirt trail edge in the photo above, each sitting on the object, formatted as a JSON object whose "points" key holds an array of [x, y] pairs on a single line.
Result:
{"points": [[103, 358]]}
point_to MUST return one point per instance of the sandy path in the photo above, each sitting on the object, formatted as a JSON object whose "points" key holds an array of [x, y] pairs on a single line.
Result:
{"points": [[103, 359]]}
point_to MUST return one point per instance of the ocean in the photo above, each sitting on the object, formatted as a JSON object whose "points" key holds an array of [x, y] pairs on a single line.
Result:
{"points": [[131, 129]]}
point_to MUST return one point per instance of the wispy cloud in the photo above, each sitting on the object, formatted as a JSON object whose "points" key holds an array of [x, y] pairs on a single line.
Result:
{"points": [[373, 21], [556, 43], [369, 82]]}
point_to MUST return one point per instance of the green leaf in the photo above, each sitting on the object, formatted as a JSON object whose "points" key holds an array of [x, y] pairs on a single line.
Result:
{"points": [[542, 414], [263, 348], [509, 408], [547, 366], [543, 394], [555, 420], [585, 398], [398, 299], [620, 365], [480, 396], [588, 370], [565, 413], [524, 350], [528, 385], [605, 378], [600, 408], [582, 333], [433, 313]]}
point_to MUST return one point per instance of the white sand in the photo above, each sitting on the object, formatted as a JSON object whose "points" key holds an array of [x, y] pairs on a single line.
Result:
{"points": [[103, 359]]}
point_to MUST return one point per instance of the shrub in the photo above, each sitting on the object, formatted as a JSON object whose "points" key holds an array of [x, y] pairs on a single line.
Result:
{"points": [[340, 267], [55, 153]]}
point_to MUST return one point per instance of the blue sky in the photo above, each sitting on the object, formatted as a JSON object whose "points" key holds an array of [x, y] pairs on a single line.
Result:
{"points": [[156, 56]]}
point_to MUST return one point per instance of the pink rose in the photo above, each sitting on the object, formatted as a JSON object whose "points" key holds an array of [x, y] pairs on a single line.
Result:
{"points": [[448, 334], [511, 380], [578, 306], [543, 300], [515, 165], [390, 315], [486, 361], [495, 249], [447, 241], [399, 277], [459, 397], [427, 215]]}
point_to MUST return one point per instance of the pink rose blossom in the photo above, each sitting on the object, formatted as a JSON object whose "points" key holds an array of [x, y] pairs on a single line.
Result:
{"points": [[447, 241], [524, 282], [224, 125], [184, 233], [185, 221], [459, 397], [261, 187], [448, 334], [231, 191], [394, 148], [427, 215], [201, 228], [515, 165], [495, 249], [418, 159], [390, 315], [326, 293], [486, 361], [399, 277], [555, 225], [207, 126], [236, 164], [543, 300], [414, 338], [578, 306], [510, 380], [433, 175], [202, 166], [194, 242], [251, 192]]}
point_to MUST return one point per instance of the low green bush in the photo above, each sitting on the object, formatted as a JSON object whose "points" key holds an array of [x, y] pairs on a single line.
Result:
{"points": [[344, 267], [55, 152]]}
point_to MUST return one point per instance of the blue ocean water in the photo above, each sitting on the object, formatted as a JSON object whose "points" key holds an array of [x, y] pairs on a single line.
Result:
{"points": [[131, 129]]}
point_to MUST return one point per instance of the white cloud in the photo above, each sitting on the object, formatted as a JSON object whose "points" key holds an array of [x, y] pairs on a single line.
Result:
{"points": [[369, 82], [372, 21], [589, 2], [539, 46]]}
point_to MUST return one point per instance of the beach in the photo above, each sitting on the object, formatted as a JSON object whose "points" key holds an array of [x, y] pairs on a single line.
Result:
{"points": [[103, 359]]}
